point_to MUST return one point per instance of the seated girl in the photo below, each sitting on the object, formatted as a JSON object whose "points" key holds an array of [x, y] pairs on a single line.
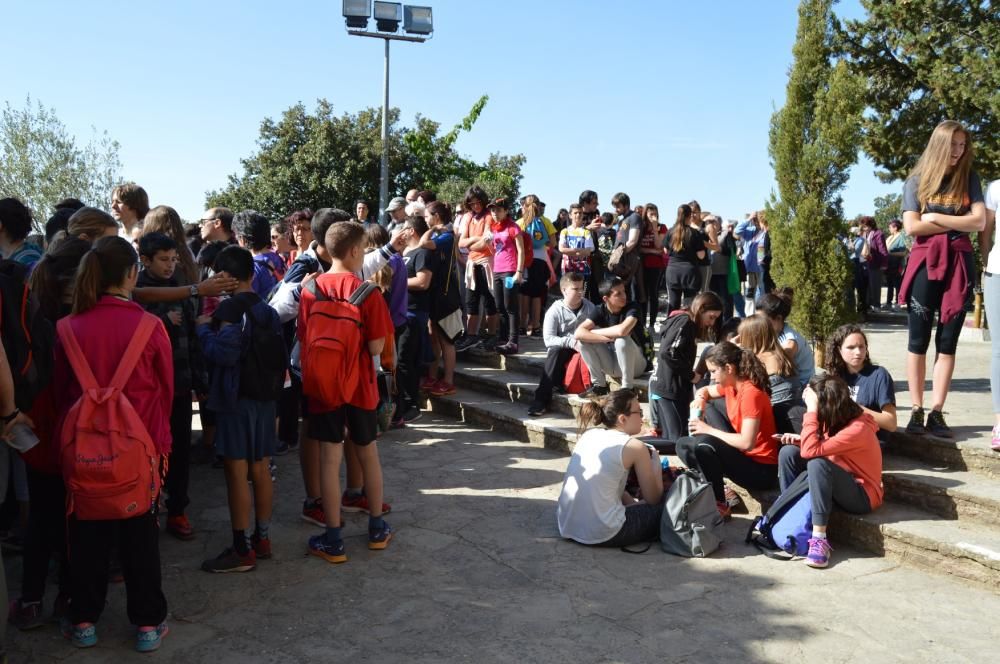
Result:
{"points": [[871, 386], [748, 454], [757, 334], [594, 507], [777, 306], [839, 451]]}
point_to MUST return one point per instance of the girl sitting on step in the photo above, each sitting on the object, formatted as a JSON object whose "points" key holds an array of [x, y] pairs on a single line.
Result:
{"points": [[870, 385]]}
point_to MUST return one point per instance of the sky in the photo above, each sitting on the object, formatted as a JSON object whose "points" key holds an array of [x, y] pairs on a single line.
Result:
{"points": [[665, 100]]}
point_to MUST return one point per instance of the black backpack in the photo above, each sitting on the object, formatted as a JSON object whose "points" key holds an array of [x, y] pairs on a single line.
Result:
{"points": [[28, 336], [263, 366]]}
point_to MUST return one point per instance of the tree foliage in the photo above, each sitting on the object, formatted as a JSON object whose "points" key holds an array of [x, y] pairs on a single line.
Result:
{"points": [[814, 140], [323, 160], [926, 61], [887, 208], [41, 163]]}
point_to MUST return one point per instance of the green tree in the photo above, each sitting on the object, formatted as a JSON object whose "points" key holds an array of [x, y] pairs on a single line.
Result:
{"points": [[887, 208], [322, 160], [926, 61], [41, 163], [813, 142]]}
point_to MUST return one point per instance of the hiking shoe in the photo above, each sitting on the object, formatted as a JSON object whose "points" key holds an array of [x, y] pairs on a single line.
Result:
{"points": [[313, 513], [937, 427], [330, 553], [82, 635], [379, 539], [995, 443], [231, 561], [443, 389], [536, 409], [25, 615], [916, 426], [360, 504], [819, 553], [411, 415], [261, 546], [509, 348], [148, 639], [725, 511], [180, 527], [595, 391]]}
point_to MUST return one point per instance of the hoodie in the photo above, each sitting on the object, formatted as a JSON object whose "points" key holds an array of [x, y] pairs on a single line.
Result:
{"points": [[561, 322], [854, 448]]}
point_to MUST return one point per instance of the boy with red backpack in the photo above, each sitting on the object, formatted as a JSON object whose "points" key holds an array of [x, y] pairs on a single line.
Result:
{"points": [[341, 329]]}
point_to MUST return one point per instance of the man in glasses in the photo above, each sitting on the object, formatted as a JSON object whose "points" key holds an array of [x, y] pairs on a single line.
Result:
{"points": [[217, 224]]}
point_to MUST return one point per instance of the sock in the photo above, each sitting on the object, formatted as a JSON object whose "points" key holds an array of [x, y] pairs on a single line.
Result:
{"points": [[241, 543], [332, 535], [263, 530], [354, 493], [818, 535], [375, 523]]}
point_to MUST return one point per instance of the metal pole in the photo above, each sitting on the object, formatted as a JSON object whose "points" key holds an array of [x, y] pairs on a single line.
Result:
{"points": [[383, 193]]}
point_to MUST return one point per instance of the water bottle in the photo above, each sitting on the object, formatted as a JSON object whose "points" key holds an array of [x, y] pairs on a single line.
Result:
{"points": [[22, 438], [695, 415], [508, 282]]}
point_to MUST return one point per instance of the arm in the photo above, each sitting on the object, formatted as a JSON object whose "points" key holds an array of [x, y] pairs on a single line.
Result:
{"points": [[646, 463], [586, 334], [7, 405], [550, 331], [634, 235], [713, 238], [375, 346], [986, 237], [222, 347], [376, 260], [973, 222], [706, 394], [744, 440], [853, 436], [885, 418], [210, 287], [622, 329], [420, 282]]}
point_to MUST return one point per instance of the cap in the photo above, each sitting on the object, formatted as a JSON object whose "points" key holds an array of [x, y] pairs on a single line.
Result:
{"points": [[395, 204], [499, 202]]}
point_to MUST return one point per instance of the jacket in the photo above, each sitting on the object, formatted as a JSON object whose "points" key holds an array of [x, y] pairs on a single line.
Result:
{"points": [[675, 359]]}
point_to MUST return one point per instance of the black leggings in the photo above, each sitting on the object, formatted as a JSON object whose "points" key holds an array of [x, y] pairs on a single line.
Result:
{"points": [[651, 277], [408, 362], [924, 306], [179, 467], [716, 460], [672, 417], [508, 304], [642, 524], [46, 535]]}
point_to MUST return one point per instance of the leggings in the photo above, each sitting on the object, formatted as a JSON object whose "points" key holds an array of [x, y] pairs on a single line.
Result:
{"points": [[829, 484], [46, 536], [179, 468], [651, 277], [671, 417], [409, 342], [716, 460], [642, 524], [991, 288], [924, 307], [508, 304]]}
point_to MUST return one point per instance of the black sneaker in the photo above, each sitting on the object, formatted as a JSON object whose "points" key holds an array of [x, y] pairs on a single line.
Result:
{"points": [[536, 409], [595, 391], [467, 342], [916, 426], [937, 427], [411, 415], [282, 449]]}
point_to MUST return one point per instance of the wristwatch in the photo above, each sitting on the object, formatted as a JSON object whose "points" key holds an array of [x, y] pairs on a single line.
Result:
{"points": [[194, 290], [7, 419]]}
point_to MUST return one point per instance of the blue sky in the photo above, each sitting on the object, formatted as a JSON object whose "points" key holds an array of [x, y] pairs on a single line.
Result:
{"points": [[667, 101]]}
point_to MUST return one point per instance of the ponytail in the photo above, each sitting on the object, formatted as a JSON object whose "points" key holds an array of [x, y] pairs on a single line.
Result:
{"points": [[105, 266], [748, 367], [604, 411]]}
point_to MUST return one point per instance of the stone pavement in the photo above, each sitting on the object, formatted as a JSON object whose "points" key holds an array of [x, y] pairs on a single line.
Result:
{"points": [[478, 573]]}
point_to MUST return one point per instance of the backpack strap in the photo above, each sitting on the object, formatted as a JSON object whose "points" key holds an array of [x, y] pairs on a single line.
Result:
{"points": [[361, 293], [77, 360], [315, 291], [136, 346]]}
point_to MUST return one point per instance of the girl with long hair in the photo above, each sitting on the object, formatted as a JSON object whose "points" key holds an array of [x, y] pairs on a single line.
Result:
{"points": [[748, 455], [164, 219], [542, 235], [839, 451], [871, 385], [895, 244], [594, 507], [777, 306], [756, 335], [686, 247], [942, 204], [654, 262]]}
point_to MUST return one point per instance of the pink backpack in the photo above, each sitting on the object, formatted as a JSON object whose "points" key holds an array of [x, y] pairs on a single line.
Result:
{"points": [[108, 459]]}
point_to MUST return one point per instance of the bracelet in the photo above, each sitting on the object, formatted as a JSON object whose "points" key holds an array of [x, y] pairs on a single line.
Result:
{"points": [[7, 419]]}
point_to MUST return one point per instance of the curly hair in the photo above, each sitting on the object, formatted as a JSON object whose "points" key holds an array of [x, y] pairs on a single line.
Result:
{"points": [[834, 363]]}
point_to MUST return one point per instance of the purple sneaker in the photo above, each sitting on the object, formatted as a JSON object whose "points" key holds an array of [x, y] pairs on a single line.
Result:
{"points": [[819, 553], [995, 443]]}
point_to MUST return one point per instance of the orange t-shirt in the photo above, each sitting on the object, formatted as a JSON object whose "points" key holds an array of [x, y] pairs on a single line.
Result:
{"points": [[475, 228], [747, 400]]}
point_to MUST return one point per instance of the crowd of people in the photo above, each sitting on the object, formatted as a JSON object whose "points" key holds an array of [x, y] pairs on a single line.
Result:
{"points": [[319, 331]]}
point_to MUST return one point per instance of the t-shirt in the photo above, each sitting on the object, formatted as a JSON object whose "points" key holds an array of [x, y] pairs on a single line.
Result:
{"points": [[590, 507], [576, 238], [477, 227], [375, 321], [603, 318], [872, 388], [992, 202], [418, 260], [804, 360], [747, 400], [625, 226], [941, 202], [539, 231], [694, 241], [650, 240], [505, 236]]}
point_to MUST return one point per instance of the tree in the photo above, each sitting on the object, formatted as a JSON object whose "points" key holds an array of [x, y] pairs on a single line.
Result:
{"points": [[887, 208], [322, 160], [813, 142], [41, 163], [926, 61]]}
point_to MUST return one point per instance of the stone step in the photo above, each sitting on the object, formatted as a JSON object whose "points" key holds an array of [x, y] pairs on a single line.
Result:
{"points": [[969, 452], [953, 494]]}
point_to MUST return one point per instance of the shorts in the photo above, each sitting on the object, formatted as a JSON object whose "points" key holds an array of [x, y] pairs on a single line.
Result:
{"points": [[482, 292], [537, 284], [329, 427], [248, 432]]}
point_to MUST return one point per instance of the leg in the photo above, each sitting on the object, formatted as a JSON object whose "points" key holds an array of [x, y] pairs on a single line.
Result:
{"points": [[368, 456], [179, 468], [355, 476], [309, 461], [630, 360], [263, 490], [331, 454], [944, 368], [46, 533], [642, 524], [991, 287], [512, 298], [238, 492], [920, 320], [554, 373], [830, 484], [288, 412], [139, 549], [673, 417], [89, 549], [408, 371], [790, 465], [600, 361], [652, 277], [503, 332]]}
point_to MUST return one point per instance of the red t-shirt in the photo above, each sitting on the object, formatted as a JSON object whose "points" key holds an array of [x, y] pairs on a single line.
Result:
{"points": [[650, 240], [747, 400], [376, 324]]}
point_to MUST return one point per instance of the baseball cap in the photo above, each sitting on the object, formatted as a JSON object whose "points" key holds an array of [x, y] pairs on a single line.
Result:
{"points": [[395, 204], [499, 202]]}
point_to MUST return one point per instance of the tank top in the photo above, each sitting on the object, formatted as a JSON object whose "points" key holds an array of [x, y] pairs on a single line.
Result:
{"points": [[590, 504]]}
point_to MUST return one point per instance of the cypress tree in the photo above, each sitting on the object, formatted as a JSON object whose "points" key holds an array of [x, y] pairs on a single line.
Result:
{"points": [[814, 140]]}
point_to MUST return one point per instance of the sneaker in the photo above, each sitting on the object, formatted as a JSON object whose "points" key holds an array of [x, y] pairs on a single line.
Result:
{"points": [[330, 553], [261, 546], [180, 527], [411, 415], [732, 498], [82, 635], [536, 409], [443, 389], [313, 513], [148, 639], [360, 504], [936, 426], [916, 426], [282, 449], [379, 539], [509, 348], [595, 391], [819, 553], [25, 615], [725, 511], [995, 443], [426, 383], [489, 343], [397, 423], [231, 561], [467, 342]]}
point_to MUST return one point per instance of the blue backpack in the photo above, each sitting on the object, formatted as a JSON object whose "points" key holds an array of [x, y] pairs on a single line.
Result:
{"points": [[787, 525]]}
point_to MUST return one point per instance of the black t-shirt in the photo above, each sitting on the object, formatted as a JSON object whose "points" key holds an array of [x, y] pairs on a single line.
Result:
{"points": [[604, 318], [417, 261], [694, 241], [625, 227]]}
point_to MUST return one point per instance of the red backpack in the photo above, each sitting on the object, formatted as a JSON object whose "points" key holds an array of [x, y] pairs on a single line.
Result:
{"points": [[577, 375], [108, 460], [332, 349]]}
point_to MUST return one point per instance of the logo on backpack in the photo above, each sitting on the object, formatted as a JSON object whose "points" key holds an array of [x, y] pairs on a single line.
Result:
{"points": [[28, 336], [334, 344], [109, 462]]}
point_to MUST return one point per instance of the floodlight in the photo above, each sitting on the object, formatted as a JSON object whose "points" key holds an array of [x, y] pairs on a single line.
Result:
{"points": [[418, 20], [357, 12], [388, 15]]}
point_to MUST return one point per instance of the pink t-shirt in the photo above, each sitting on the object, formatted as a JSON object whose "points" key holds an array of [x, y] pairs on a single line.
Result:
{"points": [[504, 245]]}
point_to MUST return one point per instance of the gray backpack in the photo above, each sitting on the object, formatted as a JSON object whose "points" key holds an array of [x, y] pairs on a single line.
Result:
{"points": [[691, 525]]}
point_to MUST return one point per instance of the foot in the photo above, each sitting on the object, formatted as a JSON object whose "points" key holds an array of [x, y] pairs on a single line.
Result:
{"points": [[331, 553], [732, 498], [536, 409], [819, 553], [313, 513], [148, 639], [725, 511], [467, 342], [916, 426], [180, 527], [360, 504], [81, 635], [25, 615], [936, 426], [230, 561], [595, 391], [379, 539], [261, 546], [509, 348], [411, 415], [443, 389], [426, 383], [282, 449], [995, 443]]}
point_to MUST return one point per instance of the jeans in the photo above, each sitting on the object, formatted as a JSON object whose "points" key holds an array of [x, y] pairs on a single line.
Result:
{"points": [[621, 359], [829, 484], [642, 524], [408, 345], [991, 300], [716, 460], [179, 467], [651, 277]]}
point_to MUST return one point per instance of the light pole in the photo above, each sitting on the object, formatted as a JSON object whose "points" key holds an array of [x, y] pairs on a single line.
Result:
{"points": [[416, 21]]}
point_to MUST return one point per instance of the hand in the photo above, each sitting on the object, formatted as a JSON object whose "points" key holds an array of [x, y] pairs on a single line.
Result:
{"points": [[401, 238], [203, 320], [698, 426], [788, 438], [312, 276], [812, 401], [20, 419], [932, 217], [217, 285], [517, 277], [175, 317]]}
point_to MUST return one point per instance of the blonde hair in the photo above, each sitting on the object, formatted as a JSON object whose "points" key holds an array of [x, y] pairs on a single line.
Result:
{"points": [[757, 335], [934, 165], [164, 219]]}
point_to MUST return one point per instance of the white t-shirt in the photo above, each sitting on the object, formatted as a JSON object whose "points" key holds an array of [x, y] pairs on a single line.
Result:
{"points": [[590, 504], [992, 202]]}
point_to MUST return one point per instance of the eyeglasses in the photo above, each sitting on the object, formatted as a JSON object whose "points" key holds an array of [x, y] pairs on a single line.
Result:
{"points": [[204, 221], [636, 412]]}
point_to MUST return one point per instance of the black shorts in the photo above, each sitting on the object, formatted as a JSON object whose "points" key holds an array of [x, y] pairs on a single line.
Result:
{"points": [[537, 284], [482, 292], [328, 427]]}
